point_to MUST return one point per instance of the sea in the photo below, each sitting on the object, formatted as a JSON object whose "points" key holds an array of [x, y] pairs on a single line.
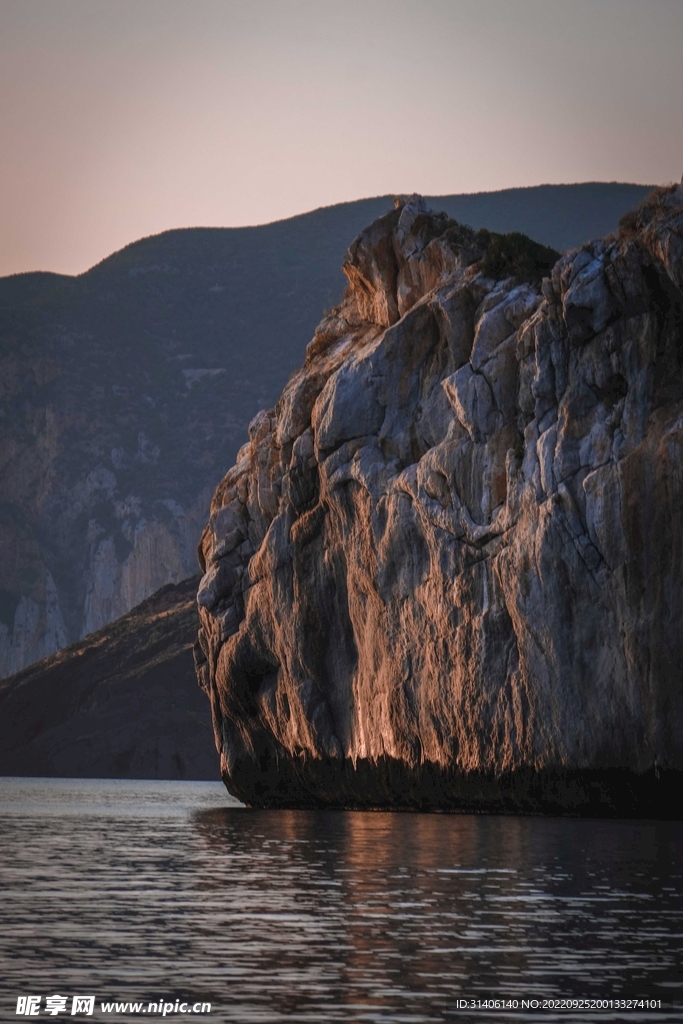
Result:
{"points": [[130, 901]]}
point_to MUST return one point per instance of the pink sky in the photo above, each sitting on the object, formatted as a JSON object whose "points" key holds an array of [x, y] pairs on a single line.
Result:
{"points": [[122, 118]]}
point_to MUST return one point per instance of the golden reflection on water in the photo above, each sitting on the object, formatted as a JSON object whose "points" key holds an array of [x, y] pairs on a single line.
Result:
{"points": [[417, 910], [133, 890]]}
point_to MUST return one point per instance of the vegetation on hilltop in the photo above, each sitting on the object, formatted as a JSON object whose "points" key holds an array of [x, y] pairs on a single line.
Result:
{"points": [[515, 255]]}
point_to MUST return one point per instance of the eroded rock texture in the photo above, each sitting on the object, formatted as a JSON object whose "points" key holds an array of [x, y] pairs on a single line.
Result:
{"points": [[446, 570], [125, 392]]}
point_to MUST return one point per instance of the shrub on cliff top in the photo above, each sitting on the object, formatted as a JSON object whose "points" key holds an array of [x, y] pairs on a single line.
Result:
{"points": [[653, 205], [515, 255]]}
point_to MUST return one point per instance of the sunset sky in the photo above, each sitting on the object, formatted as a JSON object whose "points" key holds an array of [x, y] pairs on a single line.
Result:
{"points": [[122, 118]]}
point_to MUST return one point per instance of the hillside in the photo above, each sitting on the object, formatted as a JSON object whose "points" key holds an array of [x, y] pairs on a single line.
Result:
{"points": [[126, 391], [124, 703]]}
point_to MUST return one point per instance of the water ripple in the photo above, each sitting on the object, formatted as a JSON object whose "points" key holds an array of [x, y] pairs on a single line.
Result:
{"points": [[148, 891]]}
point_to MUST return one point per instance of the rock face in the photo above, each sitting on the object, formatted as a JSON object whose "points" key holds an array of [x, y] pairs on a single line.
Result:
{"points": [[120, 704], [447, 569], [126, 391]]}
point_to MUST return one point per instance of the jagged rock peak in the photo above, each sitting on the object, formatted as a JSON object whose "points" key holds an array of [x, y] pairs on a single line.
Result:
{"points": [[447, 569]]}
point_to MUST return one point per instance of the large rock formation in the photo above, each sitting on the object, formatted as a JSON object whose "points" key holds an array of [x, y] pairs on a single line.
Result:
{"points": [[447, 568], [126, 391]]}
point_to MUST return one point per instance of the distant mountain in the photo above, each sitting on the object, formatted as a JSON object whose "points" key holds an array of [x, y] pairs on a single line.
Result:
{"points": [[109, 446], [124, 703]]}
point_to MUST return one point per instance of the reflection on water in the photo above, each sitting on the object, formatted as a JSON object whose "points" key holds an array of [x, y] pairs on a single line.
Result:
{"points": [[154, 890]]}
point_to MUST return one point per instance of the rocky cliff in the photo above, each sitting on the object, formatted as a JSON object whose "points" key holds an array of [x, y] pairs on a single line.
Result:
{"points": [[126, 391], [447, 569]]}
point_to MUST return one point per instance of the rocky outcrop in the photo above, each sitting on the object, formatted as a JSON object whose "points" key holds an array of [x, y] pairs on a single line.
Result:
{"points": [[126, 391], [120, 704], [447, 569]]}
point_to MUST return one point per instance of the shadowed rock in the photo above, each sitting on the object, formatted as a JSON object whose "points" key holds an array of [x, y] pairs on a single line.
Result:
{"points": [[122, 703], [446, 571]]}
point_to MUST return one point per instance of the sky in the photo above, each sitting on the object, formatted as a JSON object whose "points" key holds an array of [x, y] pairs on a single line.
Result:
{"points": [[123, 118]]}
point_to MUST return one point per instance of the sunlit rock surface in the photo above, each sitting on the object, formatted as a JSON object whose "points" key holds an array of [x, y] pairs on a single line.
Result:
{"points": [[446, 570], [125, 392]]}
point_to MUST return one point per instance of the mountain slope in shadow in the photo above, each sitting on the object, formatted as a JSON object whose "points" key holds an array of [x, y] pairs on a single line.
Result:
{"points": [[123, 703]]}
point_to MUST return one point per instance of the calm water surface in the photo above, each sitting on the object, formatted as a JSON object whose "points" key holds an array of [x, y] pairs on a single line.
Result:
{"points": [[161, 891]]}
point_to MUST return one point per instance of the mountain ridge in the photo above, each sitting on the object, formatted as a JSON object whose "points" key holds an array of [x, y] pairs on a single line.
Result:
{"points": [[628, 193]]}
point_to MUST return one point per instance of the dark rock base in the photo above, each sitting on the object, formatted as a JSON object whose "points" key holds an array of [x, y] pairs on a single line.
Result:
{"points": [[392, 785]]}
